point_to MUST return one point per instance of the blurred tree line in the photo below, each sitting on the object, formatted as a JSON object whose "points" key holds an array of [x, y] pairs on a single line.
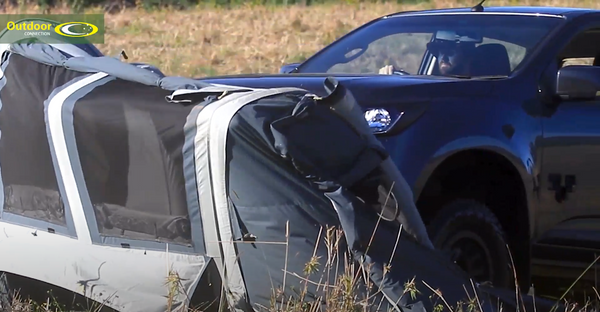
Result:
{"points": [[78, 5], [115, 5]]}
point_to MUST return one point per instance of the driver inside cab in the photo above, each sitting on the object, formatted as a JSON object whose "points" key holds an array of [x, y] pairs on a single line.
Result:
{"points": [[453, 54]]}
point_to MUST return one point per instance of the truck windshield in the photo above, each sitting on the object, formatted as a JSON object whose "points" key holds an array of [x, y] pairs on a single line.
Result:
{"points": [[471, 44]]}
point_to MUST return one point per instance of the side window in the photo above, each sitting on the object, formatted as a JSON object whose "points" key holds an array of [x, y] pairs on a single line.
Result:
{"points": [[132, 164], [588, 61], [581, 50], [28, 172], [403, 50]]}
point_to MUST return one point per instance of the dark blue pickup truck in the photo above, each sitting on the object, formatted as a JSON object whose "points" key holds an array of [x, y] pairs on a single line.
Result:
{"points": [[504, 150]]}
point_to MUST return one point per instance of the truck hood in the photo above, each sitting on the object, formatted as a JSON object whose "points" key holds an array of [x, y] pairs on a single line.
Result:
{"points": [[384, 87]]}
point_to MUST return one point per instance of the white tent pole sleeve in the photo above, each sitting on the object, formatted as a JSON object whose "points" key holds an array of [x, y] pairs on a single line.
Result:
{"points": [[219, 128], [55, 123]]}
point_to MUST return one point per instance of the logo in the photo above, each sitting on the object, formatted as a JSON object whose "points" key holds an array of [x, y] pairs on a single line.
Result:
{"points": [[57, 28], [76, 29]]}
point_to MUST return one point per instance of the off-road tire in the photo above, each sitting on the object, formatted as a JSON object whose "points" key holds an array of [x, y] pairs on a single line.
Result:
{"points": [[481, 232]]}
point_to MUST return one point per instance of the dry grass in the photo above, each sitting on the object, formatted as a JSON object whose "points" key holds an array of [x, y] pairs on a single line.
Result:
{"points": [[351, 289], [208, 41]]}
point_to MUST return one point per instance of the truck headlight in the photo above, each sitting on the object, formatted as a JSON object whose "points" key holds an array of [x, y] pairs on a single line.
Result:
{"points": [[381, 120]]}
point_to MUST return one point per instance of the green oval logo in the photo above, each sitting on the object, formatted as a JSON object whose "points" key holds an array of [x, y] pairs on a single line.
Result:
{"points": [[76, 29]]}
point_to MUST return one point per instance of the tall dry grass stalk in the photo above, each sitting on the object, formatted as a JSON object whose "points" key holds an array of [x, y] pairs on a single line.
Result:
{"points": [[206, 41]]}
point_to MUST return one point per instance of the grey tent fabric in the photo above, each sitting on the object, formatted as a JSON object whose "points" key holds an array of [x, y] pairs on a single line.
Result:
{"points": [[178, 83], [68, 171], [113, 67], [49, 55], [42, 53]]}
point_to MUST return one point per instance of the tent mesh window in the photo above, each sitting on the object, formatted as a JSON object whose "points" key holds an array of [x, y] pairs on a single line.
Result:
{"points": [[28, 172], [130, 144]]}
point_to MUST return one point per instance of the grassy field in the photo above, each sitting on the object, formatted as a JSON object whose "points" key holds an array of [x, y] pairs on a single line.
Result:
{"points": [[206, 41]]}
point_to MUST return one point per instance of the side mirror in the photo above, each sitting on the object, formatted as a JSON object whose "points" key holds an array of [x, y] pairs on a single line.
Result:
{"points": [[578, 82], [288, 68]]}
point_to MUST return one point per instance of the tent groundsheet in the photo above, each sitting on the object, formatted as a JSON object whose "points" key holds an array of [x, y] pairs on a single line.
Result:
{"points": [[115, 179]]}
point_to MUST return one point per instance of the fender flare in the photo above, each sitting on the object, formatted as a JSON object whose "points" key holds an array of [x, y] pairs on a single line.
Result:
{"points": [[524, 164]]}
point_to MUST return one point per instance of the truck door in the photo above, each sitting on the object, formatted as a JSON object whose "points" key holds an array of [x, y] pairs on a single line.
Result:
{"points": [[568, 222]]}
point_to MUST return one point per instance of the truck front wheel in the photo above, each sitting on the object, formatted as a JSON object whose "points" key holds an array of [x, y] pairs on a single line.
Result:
{"points": [[475, 240]]}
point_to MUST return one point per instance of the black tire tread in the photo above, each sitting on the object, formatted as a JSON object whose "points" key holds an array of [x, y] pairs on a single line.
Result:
{"points": [[469, 210]]}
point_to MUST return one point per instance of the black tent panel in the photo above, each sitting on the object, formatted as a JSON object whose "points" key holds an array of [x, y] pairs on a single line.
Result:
{"points": [[267, 192], [29, 175], [130, 145]]}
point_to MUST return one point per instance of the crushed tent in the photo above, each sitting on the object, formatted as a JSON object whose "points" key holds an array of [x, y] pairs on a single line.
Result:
{"points": [[114, 177]]}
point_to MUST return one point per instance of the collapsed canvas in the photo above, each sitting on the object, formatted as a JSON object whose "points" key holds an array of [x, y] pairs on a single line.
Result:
{"points": [[126, 179]]}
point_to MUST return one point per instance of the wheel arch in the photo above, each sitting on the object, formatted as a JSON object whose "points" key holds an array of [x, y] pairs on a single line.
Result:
{"points": [[523, 165], [516, 171]]}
